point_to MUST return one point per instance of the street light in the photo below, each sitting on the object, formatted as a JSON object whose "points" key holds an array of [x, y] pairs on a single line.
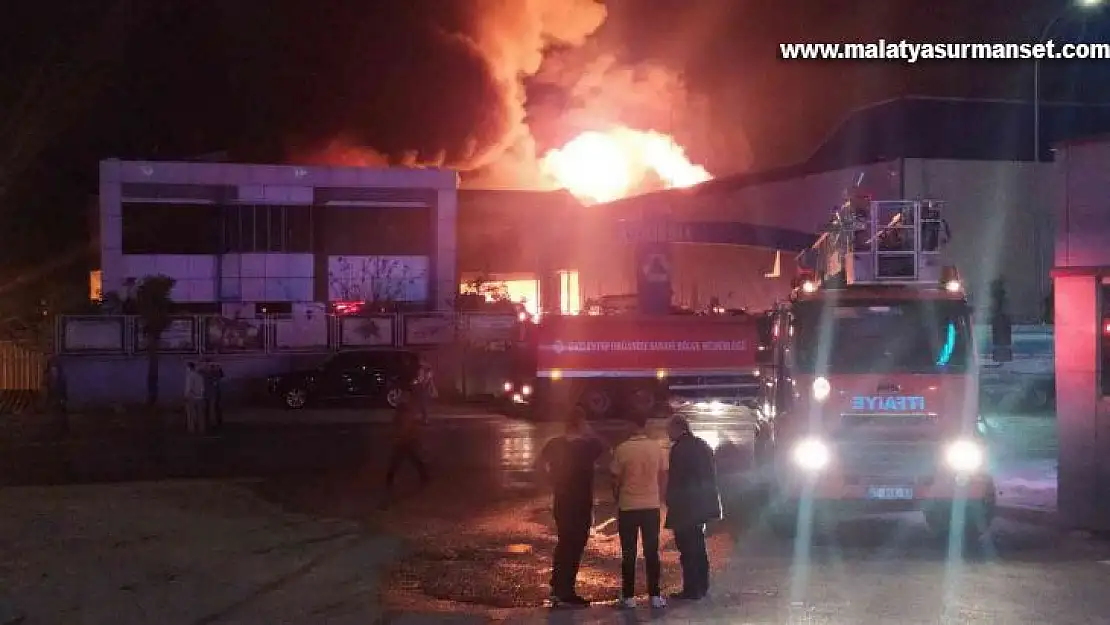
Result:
{"points": [[1083, 4]]}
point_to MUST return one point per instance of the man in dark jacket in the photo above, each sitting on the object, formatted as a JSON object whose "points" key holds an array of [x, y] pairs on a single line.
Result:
{"points": [[568, 463], [692, 501]]}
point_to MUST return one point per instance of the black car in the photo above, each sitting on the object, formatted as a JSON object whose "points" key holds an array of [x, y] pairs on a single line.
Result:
{"points": [[375, 375]]}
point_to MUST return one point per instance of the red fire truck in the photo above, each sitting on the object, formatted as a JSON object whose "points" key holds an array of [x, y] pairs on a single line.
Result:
{"points": [[617, 364], [872, 396]]}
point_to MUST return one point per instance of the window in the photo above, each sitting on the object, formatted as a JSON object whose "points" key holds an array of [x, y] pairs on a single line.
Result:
{"points": [[170, 228], [298, 229], [371, 230], [261, 229], [883, 337]]}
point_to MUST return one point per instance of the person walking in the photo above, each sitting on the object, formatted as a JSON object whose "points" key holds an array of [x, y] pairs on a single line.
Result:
{"points": [[639, 470], [406, 446], [692, 501], [194, 399], [567, 463]]}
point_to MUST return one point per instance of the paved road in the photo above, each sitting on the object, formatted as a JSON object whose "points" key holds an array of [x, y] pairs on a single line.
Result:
{"points": [[481, 535], [483, 539]]}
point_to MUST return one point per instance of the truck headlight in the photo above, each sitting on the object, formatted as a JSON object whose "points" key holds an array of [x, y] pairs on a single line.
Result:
{"points": [[526, 390], [811, 454], [964, 456], [507, 387], [821, 389]]}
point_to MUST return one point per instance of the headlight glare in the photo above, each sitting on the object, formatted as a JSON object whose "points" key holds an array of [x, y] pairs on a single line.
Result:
{"points": [[812, 454], [821, 389], [965, 456]]}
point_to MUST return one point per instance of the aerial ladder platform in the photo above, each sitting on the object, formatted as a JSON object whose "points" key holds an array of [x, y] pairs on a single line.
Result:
{"points": [[880, 242]]}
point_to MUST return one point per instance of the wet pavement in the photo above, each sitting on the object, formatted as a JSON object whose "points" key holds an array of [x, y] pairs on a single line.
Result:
{"points": [[479, 538], [480, 541]]}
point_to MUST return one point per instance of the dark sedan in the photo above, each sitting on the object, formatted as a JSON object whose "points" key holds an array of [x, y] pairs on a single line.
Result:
{"points": [[379, 376]]}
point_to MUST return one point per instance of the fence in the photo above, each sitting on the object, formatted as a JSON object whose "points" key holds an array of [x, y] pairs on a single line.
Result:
{"points": [[308, 333]]}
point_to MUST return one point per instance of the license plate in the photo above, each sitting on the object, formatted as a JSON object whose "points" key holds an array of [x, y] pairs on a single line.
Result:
{"points": [[883, 492]]}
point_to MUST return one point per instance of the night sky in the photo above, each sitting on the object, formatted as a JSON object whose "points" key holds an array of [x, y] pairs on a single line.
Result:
{"points": [[276, 80]]}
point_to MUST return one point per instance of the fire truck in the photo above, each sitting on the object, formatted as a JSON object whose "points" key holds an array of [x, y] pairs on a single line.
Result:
{"points": [[615, 365], [870, 404]]}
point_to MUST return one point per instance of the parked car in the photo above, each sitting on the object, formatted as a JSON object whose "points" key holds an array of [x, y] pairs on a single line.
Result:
{"points": [[379, 376]]}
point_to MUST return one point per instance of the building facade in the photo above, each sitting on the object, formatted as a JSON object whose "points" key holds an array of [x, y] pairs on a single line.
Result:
{"points": [[247, 239], [975, 155]]}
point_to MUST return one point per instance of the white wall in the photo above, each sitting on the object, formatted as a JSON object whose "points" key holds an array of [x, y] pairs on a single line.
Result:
{"points": [[266, 277], [1000, 215], [195, 275], [1083, 218]]}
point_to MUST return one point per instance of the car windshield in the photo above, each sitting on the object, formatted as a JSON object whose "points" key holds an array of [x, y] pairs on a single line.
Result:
{"points": [[882, 337]]}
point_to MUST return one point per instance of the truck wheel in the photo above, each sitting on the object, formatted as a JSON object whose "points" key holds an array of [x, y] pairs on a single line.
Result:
{"points": [[784, 523], [596, 402], [976, 520]]}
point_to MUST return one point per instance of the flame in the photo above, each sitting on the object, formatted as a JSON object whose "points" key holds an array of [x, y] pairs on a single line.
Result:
{"points": [[602, 166]]}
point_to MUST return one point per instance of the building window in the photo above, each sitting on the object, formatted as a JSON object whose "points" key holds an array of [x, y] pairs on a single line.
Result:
{"points": [[378, 230], [263, 229], [170, 228]]}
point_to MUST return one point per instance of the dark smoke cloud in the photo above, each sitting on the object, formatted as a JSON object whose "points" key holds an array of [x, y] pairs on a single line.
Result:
{"points": [[449, 73]]}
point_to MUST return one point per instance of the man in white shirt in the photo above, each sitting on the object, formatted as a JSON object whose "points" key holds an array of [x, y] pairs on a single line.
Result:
{"points": [[639, 470]]}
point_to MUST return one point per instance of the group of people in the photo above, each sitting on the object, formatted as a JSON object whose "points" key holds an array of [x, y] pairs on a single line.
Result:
{"points": [[203, 401], [645, 478]]}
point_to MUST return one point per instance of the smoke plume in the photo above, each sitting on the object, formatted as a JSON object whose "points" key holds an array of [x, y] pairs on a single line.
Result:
{"points": [[512, 76]]}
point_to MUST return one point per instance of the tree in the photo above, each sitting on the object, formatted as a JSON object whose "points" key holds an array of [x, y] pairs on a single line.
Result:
{"points": [[153, 303], [380, 282]]}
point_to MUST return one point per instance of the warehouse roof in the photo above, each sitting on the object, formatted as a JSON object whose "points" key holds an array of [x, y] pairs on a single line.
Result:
{"points": [[936, 128]]}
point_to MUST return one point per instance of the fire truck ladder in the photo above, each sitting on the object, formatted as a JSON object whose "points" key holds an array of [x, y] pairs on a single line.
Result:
{"points": [[871, 242]]}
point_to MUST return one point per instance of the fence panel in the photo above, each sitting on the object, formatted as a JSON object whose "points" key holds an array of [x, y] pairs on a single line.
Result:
{"points": [[367, 331], [428, 329], [180, 336], [93, 334], [223, 335], [300, 332]]}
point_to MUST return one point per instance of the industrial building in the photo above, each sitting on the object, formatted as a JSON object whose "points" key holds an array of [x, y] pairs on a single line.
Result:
{"points": [[245, 239], [721, 236]]}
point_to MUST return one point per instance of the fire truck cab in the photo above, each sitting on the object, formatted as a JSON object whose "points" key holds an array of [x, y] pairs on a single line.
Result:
{"points": [[871, 400]]}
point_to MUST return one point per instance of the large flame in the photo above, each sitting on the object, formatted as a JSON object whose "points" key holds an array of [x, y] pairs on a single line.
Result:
{"points": [[602, 166]]}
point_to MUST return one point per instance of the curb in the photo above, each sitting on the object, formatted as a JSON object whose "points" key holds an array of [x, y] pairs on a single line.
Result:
{"points": [[1030, 516]]}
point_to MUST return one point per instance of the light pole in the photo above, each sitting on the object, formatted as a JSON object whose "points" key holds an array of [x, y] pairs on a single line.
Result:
{"points": [[1082, 4]]}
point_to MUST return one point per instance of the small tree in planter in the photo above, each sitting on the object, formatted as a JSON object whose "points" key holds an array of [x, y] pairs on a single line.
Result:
{"points": [[153, 304]]}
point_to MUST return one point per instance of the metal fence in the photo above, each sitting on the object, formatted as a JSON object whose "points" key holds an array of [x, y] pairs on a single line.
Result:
{"points": [[21, 367], [309, 333]]}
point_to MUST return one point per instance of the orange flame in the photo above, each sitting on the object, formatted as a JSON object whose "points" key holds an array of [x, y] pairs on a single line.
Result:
{"points": [[602, 166]]}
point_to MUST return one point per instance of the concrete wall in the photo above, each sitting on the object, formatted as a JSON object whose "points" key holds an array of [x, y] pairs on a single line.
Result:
{"points": [[1082, 268], [1000, 215]]}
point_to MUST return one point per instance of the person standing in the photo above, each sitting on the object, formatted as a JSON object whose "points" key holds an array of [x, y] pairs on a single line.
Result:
{"points": [[406, 446], [692, 501], [424, 388], [213, 375], [194, 399], [55, 380], [568, 462], [639, 470]]}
